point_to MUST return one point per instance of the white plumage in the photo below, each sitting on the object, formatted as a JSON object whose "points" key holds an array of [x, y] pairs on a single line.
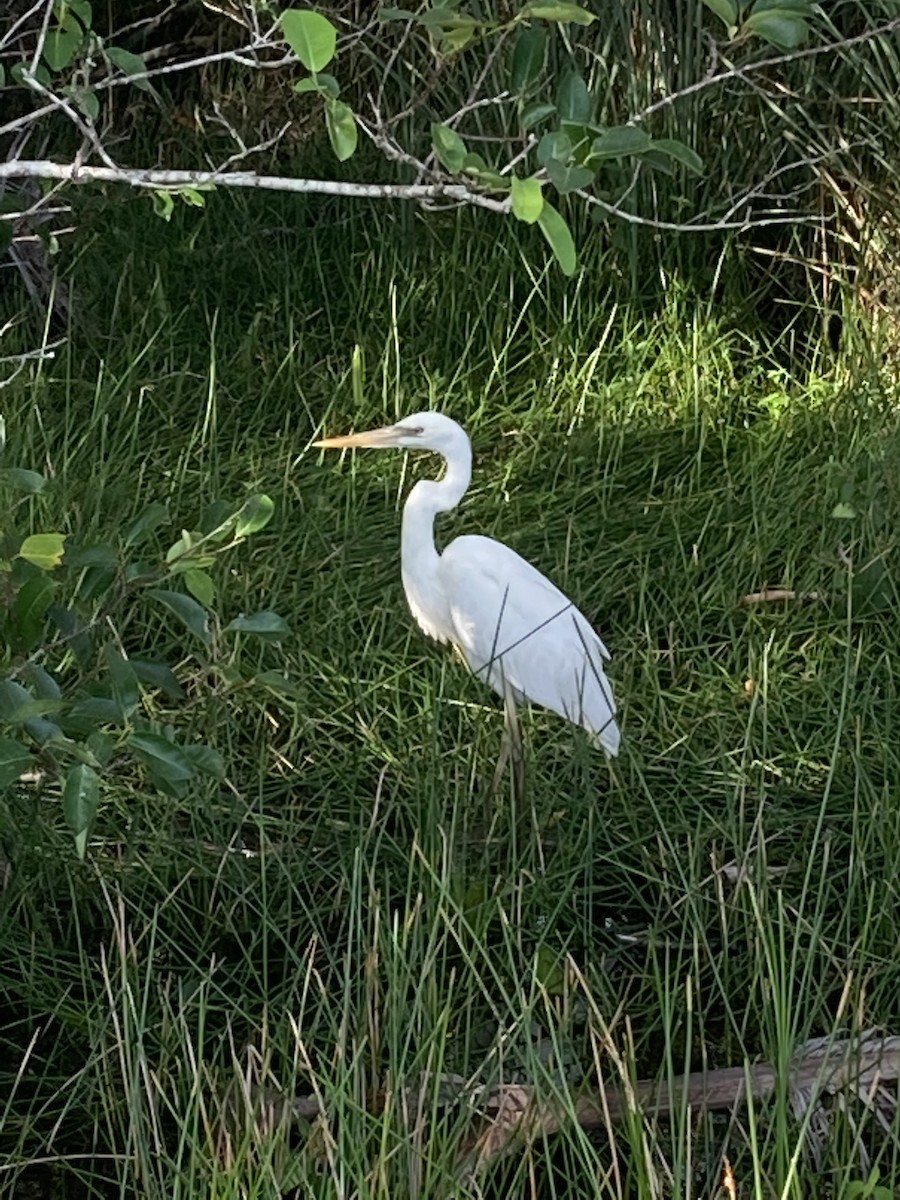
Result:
{"points": [[514, 628]]}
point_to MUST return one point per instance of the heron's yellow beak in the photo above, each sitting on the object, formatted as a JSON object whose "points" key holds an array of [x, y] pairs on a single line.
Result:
{"points": [[386, 436]]}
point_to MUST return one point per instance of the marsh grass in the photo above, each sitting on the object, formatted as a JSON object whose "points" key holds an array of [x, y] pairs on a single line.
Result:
{"points": [[336, 920]]}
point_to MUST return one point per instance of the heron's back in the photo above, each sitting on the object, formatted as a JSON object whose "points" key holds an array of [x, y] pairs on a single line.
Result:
{"points": [[519, 632]]}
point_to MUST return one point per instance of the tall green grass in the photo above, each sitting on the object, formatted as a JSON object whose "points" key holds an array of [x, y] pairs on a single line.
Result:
{"points": [[336, 920]]}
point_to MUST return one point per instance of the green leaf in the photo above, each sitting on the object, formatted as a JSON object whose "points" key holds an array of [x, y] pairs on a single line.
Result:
{"points": [[187, 610], [99, 555], [75, 632], [158, 675], [167, 763], [84, 716], [45, 550], [163, 204], [200, 585], [205, 760], [620, 141], [62, 43], [555, 146], [81, 798], [311, 36], [343, 132], [529, 54], [81, 8], [267, 625], [41, 682], [556, 231], [278, 683], [84, 99], [559, 12], [254, 515], [725, 10], [573, 100], [395, 14], [533, 114], [43, 731], [527, 199], [680, 152], [844, 512], [17, 704], [15, 759], [779, 26], [125, 686], [449, 147], [23, 481], [474, 164], [309, 84], [569, 177], [30, 610], [129, 64]]}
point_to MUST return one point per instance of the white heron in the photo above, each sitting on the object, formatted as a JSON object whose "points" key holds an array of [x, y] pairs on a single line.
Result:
{"points": [[514, 628]]}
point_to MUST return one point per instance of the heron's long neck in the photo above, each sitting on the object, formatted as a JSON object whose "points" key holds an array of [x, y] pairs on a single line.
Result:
{"points": [[418, 554], [428, 498]]}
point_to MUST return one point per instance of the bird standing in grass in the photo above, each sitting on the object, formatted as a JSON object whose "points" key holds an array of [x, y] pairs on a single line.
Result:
{"points": [[514, 628]]}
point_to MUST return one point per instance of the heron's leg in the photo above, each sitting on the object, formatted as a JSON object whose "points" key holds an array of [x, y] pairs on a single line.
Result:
{"points": [[510, 748]]}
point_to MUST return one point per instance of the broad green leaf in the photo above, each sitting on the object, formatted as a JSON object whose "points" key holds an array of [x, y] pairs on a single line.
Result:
{"points": [[267, 625], [568, 177], [554, 146], [343, 132], [395, 14], [85, 716], [99, 555], [556, 231], [43, 731], [18, 71], [145, 522], [779, 26], [125, 686], [101, 746], [187, 610], [62, 43], [81, 8], [81, 798], [328, 85], [527, 199], [254, 515], [309, 84], [725, 10], [158, 675], [529, 54], [75, 632], [166, 762], [41, 682], [458, 38], [129, 64], [16, 702], [22, 480], [844, 512], [559, 12], [311, 36], [533, 114], [443, 18], [449, 147], [200, 585], [205, 760], [86, 100], [15, 759], [216, 519], [620, 141], [573, 100], [45, 550], [681, 153], [30, 610], [659, 162], [192, 196]]}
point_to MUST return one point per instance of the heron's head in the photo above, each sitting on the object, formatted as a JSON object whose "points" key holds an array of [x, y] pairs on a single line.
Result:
{"points": [[422, 431]]}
